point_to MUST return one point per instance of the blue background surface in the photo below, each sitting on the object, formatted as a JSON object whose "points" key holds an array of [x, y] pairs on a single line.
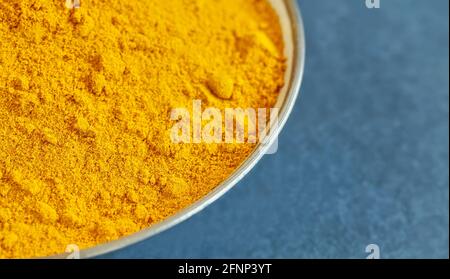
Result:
{"points": [[364, 157]]}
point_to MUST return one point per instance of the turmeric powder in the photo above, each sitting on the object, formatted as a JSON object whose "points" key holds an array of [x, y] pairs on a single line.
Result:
{"points": [[85, 97]]}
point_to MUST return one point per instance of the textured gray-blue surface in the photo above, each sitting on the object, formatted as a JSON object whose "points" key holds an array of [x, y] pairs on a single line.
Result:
{"points": [[364, 157]]}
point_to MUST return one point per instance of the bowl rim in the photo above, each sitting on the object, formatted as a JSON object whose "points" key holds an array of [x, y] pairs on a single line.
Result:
{"points": [[292, 92]]}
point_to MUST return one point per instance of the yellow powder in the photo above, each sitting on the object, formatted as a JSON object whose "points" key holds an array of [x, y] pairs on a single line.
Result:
{"points": [[85, 98]]}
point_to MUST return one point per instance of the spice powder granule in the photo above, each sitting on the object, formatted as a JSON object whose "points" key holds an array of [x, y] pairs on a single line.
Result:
{"points": [[85, 96]]}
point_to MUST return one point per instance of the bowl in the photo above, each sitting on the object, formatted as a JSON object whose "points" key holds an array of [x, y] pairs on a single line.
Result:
{"points": [[293, 34]]}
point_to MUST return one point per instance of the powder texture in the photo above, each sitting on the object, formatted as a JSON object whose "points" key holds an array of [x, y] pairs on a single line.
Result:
{"points": [[85, 98]]}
